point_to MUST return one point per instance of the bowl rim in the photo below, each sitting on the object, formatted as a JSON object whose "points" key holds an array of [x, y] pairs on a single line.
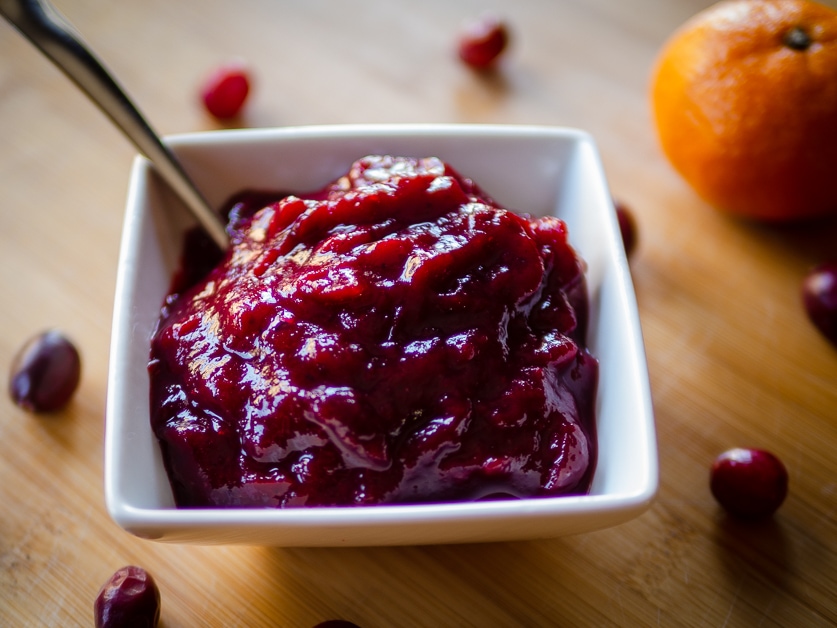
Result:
{"points": [[197, 525]]}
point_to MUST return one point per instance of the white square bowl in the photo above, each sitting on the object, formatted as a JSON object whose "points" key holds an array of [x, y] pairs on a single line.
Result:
{"points": [[537, 170]]}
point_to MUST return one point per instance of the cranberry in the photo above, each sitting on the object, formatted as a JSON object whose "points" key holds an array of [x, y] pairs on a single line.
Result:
{"points": [[819, 295], [749, 483], [627, 227], [129, 599], [225, 90], [483, 41], [45, 373], [395, 337]]}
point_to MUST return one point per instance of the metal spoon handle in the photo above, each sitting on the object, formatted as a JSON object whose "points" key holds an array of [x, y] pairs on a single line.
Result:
{"points": [[41, 23]]}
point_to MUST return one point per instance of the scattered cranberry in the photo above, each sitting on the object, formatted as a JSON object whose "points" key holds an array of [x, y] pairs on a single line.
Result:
{"points": [[483, 41], [45, 373], [627, 227], [819, 294], [129, 599], [749, 483], [225, 90]]}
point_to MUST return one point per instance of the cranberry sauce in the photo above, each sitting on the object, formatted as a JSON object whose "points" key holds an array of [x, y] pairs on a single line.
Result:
{"points": [[393, 338]]}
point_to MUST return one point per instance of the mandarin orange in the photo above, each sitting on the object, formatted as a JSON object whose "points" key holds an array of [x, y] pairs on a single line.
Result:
{"points": [[744, 97]]}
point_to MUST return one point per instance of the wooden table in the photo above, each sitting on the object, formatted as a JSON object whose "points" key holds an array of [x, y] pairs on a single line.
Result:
{"points": [[733, 359]]}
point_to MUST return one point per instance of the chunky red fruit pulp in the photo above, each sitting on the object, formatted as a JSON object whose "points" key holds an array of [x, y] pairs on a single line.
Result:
{"points": [[394, 338]]}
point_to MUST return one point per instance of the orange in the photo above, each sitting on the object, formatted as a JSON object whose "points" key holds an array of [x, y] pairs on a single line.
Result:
{"points": [[744, 97]]}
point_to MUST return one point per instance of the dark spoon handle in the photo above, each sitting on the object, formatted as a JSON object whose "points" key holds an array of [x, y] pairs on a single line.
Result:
{"points": [[50, 32]]}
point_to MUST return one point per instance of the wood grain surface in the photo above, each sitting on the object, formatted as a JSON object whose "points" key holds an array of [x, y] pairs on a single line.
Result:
{"points": [[733, 359]]}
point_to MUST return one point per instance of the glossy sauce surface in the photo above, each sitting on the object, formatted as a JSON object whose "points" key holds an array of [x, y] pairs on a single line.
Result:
{"points": [[393, 338]]}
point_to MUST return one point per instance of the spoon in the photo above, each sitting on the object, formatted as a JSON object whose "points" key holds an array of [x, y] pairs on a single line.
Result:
{"points": [[49, 31]]}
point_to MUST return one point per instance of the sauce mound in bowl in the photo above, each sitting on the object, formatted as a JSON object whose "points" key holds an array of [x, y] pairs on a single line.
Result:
{"points": [[393, 338]]}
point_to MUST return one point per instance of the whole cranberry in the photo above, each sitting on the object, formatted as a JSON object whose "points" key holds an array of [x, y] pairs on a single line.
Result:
{"points": [[749, 483], [45, 372], [130, 599], [819, 295], [225, 90], [482, 41], [627, 227]]}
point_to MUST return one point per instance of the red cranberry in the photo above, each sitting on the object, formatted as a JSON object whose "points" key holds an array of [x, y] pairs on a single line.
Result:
{"points": [[627, 227], [483, 41], [45, 373], [225, 90], [749, 483], [819, 295], [129, 599]]}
